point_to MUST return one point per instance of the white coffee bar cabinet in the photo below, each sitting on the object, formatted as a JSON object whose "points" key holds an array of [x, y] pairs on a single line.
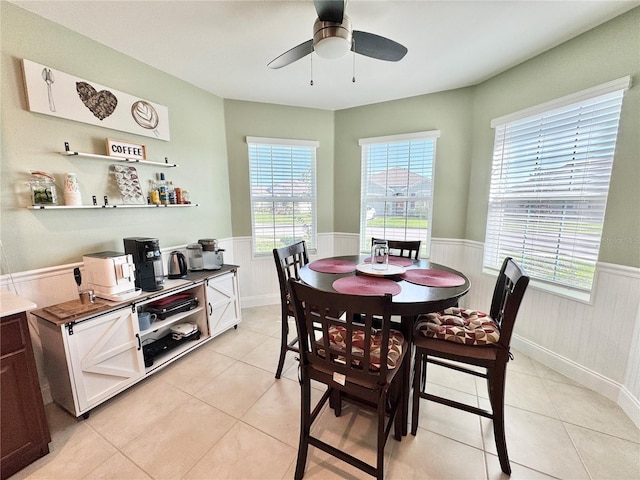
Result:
{"points": [[95, 354]]}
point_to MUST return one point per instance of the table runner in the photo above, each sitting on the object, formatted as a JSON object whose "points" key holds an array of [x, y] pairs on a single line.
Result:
{"points": [[333, 266], [432, 278], [362, 285]]}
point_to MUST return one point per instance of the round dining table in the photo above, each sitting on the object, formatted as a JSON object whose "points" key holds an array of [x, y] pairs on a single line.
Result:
{"points": [[411, 300]]}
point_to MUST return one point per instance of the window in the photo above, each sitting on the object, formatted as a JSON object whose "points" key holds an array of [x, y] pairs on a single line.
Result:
{"points": [[283, 192], [397, 188], [549, 186]]}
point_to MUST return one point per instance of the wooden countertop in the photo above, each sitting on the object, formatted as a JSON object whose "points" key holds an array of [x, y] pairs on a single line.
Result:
{"points": [[11, 303], [104, 306]]}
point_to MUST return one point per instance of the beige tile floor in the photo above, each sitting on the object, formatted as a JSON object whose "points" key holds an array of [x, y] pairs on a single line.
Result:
{"points": [[219, 413]]}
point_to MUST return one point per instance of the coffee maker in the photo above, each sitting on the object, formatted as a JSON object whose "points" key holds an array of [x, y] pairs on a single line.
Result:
{"points": [[148, 261], [110, 275]]}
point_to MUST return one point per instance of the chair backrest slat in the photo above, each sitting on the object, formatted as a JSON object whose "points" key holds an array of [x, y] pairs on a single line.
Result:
{"points": [[507, 297], [289, 260], [403, 248]]}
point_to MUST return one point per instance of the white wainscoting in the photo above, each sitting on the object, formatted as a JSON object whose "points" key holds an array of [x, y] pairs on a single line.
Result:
{"points": [[597, 344], [257, 275]]}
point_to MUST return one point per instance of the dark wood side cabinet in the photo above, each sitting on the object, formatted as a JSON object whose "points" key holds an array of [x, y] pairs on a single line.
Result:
{"points": [[25, 434]]}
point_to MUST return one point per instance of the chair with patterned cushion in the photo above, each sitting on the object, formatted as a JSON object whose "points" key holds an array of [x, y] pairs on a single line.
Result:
{"points": [[469, 337], [358, 364], [402, 248], [288, 260]]}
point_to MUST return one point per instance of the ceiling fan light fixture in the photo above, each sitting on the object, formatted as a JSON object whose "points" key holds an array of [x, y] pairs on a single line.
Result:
{"points": [[332, 47], [332, 40]]}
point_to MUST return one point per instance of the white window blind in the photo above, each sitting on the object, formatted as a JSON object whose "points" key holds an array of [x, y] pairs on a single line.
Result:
{"points": [[549, 186], [397, 188], [283, 192]]}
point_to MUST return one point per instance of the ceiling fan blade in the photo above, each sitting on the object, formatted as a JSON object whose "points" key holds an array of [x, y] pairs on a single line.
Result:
{"points": [[290, 56], [375, 46], [330, 10]]}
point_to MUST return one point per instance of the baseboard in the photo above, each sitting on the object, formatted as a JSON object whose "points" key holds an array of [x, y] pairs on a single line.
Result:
{"points": [[630, 405], [259, 301], [46, 394], [582, 375]]}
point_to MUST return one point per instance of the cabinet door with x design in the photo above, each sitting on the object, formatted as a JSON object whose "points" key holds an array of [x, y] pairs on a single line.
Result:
{"points": [[223, 306], [105, 356]]}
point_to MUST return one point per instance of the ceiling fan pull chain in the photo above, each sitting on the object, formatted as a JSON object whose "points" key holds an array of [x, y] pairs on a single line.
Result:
{"points": [[353, 79], [311, 57]]}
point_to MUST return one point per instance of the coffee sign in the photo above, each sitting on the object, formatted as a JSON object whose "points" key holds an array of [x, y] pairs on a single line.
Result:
{"points": [[119, 148]]}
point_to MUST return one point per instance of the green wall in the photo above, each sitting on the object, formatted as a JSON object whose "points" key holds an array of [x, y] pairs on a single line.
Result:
{"points": [[449, 112], [465, 148], [244, 119], [605, 53], [38, 239], [208, 142]]}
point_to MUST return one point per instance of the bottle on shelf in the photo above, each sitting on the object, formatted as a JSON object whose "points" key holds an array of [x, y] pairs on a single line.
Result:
{"points": [[154, 194], [172, 194], [163, 190]]}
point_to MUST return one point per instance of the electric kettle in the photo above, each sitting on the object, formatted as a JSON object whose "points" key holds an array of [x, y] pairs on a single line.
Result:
{"points": [[177, 266]]}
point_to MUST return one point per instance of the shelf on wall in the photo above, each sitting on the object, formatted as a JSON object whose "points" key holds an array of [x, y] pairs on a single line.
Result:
{"points": [[70, 207], [160, 324], [117, 159]]}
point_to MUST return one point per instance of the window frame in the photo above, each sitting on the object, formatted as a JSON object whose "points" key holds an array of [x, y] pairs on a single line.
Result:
{"points": [[366, 199], [492, 247], [312, 145]]}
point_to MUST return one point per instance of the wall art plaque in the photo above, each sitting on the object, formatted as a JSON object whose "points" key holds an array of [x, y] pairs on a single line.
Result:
{"points": [[59, 94]]}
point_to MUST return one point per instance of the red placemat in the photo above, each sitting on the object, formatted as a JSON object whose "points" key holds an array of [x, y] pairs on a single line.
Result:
{"points": [[400, 261], [432, 278], [361, 285], [333, 266]]}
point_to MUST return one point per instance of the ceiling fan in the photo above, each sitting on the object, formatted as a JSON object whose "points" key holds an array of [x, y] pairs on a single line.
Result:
{"points": [[334, 38]]}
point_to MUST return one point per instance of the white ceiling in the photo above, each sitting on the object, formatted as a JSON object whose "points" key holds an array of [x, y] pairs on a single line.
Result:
{"points": [[224, 46]]}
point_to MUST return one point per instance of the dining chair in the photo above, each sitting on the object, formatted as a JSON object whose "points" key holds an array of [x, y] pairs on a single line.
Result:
{"points": [[288, 260], [357, 363], [469, 337], [403, 248]]}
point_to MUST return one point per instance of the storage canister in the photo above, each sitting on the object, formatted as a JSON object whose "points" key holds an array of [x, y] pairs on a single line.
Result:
{"points": [[194, 256], [43, 189]]}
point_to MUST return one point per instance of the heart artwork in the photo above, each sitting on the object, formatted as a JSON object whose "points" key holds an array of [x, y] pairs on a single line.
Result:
{"points": [[101, 104]]}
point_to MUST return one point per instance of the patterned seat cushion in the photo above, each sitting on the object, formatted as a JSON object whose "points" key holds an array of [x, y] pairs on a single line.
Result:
{"points": [[459, 325], [338, 341]]}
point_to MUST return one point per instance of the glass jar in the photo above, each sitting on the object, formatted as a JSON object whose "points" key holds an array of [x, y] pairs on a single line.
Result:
{"points": [[194, 254], [380, 255], [43, 189]]}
